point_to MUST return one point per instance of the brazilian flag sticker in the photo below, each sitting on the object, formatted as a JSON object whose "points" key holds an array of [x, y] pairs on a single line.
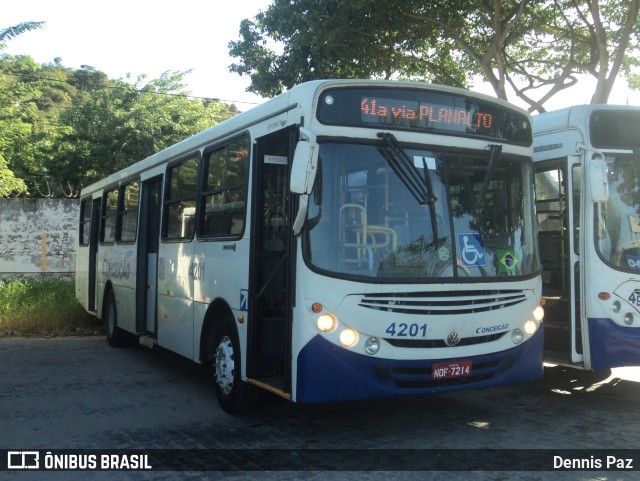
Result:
{"points": [[507, 261]]}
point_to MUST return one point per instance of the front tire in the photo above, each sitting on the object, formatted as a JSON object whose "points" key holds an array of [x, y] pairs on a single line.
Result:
{"points": [[115, 335], [234, 395]]}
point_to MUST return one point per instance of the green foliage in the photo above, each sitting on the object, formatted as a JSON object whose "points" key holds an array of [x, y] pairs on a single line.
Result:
{"points": [[29, 110], [124, 123], [536, 47], [9, 184], [339, 39], [12, 32], [568, 37], [61, 129], [42, 307]]}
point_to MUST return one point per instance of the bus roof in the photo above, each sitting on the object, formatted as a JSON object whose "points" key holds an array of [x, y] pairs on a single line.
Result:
{"points": [[576, 116], [299, 95]]}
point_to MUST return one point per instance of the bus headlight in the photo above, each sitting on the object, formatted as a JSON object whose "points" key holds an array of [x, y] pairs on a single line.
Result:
{"points": [[530, 327], [538, 314], [326, 323], [517, 336], [372, 345], [348, 337]]}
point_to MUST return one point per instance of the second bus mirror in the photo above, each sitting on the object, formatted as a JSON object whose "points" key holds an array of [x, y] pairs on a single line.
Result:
{"points": [[305, 163], [598, 183]]}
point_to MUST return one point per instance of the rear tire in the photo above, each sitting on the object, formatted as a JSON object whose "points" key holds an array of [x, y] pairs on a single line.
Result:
{"points": [[234, 395], [115, 335]]}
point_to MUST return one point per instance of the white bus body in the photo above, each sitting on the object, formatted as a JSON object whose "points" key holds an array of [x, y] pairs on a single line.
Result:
{"points": [[395, 253], [587, 162]]}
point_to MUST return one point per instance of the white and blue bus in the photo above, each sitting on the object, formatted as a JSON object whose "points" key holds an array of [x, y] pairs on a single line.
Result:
{"points": [[343, 241], [587, 162]]}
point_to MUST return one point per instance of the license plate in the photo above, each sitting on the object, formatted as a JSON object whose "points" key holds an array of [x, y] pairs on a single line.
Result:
{"points": [[445, 370]]}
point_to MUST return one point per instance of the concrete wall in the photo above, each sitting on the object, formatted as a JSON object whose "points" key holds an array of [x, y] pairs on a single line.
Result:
{"points": [[38, 236]]}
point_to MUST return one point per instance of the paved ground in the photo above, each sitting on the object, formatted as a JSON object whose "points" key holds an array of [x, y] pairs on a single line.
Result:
{"points": [[78, 393]]}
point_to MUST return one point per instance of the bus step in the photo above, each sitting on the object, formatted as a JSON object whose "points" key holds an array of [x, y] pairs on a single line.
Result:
{"points": [[147, 341], [273, 388]]}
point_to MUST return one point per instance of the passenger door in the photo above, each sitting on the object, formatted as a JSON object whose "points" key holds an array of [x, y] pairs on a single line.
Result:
{"points": [[272, 274], [94, 238], [558, 211], [147, 264]]}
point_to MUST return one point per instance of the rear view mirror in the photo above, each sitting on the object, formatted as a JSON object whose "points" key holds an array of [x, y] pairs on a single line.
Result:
{"points": [[305, 163], [598, 183]]}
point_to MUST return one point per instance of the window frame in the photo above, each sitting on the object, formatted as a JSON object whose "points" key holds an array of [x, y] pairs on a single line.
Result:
{"points": [[109, 214], [121, 212], [86, 204], [168, 201], [205, 193]]}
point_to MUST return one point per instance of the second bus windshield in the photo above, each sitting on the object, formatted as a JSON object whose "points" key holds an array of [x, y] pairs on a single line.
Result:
{"points": [[364, 221], [618, 220]]}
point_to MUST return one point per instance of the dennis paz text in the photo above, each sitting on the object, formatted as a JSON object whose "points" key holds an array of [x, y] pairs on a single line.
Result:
{"points": [[593, 462]]}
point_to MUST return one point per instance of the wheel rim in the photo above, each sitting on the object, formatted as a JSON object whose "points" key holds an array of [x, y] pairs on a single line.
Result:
{"points": [[224, 365]]}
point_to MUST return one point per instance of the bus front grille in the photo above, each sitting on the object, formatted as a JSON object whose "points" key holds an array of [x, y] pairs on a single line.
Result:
{"points": [[443, 303], [438, 343]]}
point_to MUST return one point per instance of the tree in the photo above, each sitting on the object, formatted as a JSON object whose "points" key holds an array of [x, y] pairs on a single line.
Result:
{"points": [[12, 32], [576, 37], [9, 184], [18, 112], [9, 126], [339, 39], [487, 36], [112, 124], [536, 47], [610, 31], [31, 99], [63, 128]]}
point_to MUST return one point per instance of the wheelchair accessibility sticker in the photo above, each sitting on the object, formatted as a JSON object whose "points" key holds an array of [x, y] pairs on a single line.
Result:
{"points": [[471, 251]]}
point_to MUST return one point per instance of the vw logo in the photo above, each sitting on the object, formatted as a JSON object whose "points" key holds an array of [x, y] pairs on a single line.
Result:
{"points": [[453, 339]]}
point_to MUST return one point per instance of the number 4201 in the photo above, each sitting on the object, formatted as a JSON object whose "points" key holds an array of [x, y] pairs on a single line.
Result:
{"points": [[402, 329]]}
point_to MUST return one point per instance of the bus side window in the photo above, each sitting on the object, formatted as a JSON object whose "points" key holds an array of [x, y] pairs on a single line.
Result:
{"points": [[127, 225], [180, 200], [552, 225], [224, 190], [108, 221], [85, 222]]}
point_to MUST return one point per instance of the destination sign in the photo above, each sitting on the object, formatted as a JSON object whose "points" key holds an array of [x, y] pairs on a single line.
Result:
{"points": [[615, 129], [390, 111], [427, 110]]}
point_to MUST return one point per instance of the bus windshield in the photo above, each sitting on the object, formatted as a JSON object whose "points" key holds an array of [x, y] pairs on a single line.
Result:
{"points": [[473, 219], [618, 220]]}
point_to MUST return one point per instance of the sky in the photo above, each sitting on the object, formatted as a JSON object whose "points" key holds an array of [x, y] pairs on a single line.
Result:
{"points": [[143, 37], [120, 37]]}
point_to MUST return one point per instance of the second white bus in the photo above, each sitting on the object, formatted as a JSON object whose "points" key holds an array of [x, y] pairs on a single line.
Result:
{"points": [[587, 161]]}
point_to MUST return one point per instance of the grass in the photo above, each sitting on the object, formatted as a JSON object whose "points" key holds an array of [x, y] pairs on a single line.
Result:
{"points": [[43, 308]]}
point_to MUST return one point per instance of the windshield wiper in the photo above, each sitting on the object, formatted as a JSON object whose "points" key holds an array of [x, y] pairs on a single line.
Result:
{"points": [[419, 186], [493, 163]]}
